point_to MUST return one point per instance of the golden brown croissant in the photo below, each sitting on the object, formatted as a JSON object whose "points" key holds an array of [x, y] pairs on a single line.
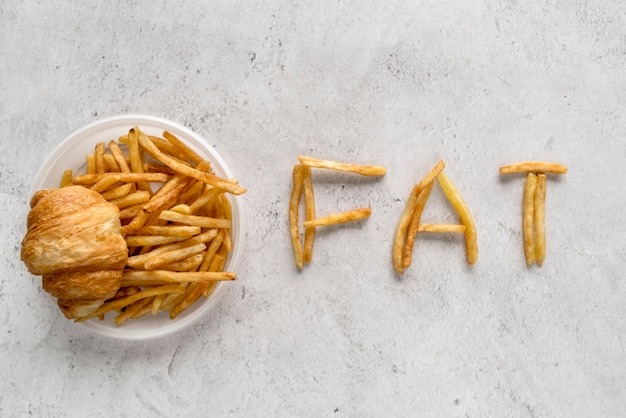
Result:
{"points": [[74, 241]]}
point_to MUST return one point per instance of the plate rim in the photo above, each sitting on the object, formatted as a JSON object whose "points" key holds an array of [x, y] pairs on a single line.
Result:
{"points": [[127, 121]]}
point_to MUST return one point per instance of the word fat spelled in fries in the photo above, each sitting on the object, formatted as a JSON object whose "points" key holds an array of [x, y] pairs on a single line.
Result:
{"points": [[533, 210]]}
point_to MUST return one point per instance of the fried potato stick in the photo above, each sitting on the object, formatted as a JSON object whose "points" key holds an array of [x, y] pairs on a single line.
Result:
{"points": [[471, 241], [190, 154], [117, 192], [534, 167], [111, 164], [66, 179], [168, 148], [86, 179], [401, 230], [294, 202], [163, 277], [188, 264], [454, 228], [309, 210], [173, 230], [339, 218], [119, 157], [136, 162], [158, 168], [194, 220], [173, 256], [90, 167], [152, 240], [528, 217], [364, 170], [103, 184], [100, 164], [211, 251], [539, 219], [413, 228], [131, 199]]}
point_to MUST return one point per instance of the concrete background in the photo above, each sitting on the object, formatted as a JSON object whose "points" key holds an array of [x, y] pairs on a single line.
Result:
{"points": [[396, 83]]}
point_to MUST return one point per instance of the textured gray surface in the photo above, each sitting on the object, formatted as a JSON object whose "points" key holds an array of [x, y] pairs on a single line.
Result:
{"points": [[401, 84]]}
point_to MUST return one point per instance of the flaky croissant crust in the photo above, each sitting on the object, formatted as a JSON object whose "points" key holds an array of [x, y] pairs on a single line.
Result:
{"points": [[74, 241]]}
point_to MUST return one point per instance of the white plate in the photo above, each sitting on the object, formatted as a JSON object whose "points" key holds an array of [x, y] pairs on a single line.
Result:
{"points": [[70, 154]]}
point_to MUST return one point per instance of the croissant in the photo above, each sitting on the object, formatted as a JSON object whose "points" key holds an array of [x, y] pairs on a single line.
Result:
{"points": [[74, 242]]}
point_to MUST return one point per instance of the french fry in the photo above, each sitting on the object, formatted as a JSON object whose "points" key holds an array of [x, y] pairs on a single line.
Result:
{"points": [[131, 199], [413, 228], [309, 210], [211, 251], [117, 192], [190, 154], [90, 167], [188, 264], [152, 240], [192, 193], [173, 230], [339, 218], [119, 157], [136, 162], [111, 164], [100, 164], [539, 219], [173, 256], [125, 291], [454, 228], [86, 179], [294, 202], [182, 209], [158, 168], [202, 221], [471, 241], [528, 215], [66, 179], [169, 301], [155, 306], [130, 212], [534, 167], [401, 230], [217, 264], [164, 277], [364, 170], [206, 197], [103, 184], [168, 148]]}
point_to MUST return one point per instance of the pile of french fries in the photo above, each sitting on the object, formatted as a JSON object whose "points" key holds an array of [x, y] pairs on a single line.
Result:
{"points": [[409, 224], [179, 235], [533, 205], [303, 185]]}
